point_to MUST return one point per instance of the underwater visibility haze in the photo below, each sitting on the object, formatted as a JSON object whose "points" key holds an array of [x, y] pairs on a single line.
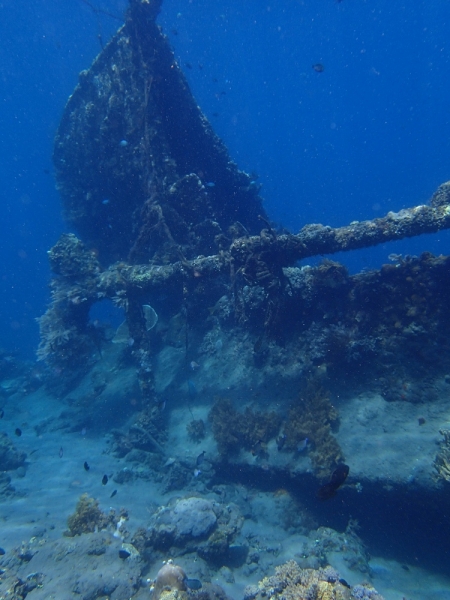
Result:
{"points": [[225, 343]]}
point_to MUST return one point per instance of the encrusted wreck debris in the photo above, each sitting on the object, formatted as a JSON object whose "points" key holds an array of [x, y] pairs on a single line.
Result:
{"points": [[141, 174], [168, 220]]}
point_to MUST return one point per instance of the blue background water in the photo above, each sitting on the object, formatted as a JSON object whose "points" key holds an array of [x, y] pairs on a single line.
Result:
{"points": [[367, 135]]}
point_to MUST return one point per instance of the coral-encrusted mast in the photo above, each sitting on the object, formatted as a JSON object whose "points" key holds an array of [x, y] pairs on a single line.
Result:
{"points": [[284, 250]]}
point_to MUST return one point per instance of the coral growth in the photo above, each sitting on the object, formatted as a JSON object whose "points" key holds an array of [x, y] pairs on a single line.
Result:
{"points": [[233, 430], [312, 418], [290, 582], [88, 517], [170, 577], [196, 430], [442, 460]]}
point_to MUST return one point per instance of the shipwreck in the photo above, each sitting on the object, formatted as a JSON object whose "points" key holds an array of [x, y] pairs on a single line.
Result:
{"points": [[134, 159]]}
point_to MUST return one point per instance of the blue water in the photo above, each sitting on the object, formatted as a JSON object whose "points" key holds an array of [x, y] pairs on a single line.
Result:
{"points": [[367, 135]]}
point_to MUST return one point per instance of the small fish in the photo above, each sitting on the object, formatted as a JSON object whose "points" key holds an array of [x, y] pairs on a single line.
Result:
{"points": [[123, 143], [2, 551], [113, 494], [192, 389], [18, 432], [86, 466], [61, 452], [281, 440], [105, 201], [194, 366], [200, 458], [193, 584], [302, 445], [210, 184], [342, 581], [318, 68], [105, 479], [124, 554], [188, 65], [197, 472], [2, 413]]}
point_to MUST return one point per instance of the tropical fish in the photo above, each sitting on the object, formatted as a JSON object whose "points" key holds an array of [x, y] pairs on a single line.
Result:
{"points": [[200, 458], [302, 445], [338, 477], [86, 466], [193, 584], [281, 440], [318, 68], [192, 389], [105, 479]]}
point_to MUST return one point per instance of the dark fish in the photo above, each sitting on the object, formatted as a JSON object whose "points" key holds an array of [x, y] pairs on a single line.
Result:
{"points": [[200, 458], [342, 581], [405, 567], [105, 479], [281, 440], [18, 432], [338, 476], [2, 552], [318, 68], [258, 345], [61, 452], [193, 584], [189, 66], [192, 389], [113, 494], [86, 466], [2, 413], [124, 554]]}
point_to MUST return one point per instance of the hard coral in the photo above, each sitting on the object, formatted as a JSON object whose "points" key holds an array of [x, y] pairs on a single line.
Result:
{"points": [[290, 582], [170, 577], [233, 430]]}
